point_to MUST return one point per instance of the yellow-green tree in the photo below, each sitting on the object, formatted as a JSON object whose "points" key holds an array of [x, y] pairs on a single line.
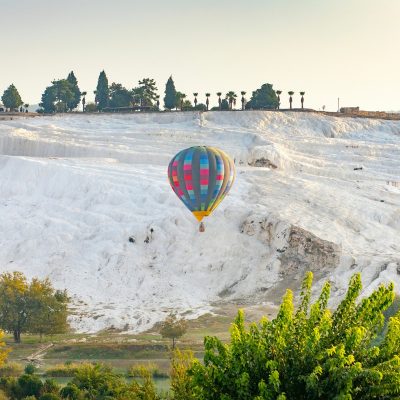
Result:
{"points": [[34, 307], [3, 350], [309, 352], [173, 328]]}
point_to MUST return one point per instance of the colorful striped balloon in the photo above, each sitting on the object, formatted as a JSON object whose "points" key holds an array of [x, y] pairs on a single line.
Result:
{"points": [[201, 176]]}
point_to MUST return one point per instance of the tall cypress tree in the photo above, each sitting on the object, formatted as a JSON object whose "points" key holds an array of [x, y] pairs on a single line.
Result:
{"points": [[75, 90], [11, 98], [102, 91], [170, 94]]}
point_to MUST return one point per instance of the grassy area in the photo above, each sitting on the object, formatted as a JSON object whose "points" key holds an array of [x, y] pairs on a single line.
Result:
{"points": [[121, 350]]}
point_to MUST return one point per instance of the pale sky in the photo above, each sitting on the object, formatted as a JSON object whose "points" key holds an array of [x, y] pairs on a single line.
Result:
{"points": [[328, 48]]}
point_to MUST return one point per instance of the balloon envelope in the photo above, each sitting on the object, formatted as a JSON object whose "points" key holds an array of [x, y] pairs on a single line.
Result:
{"points": [[201, 176]]}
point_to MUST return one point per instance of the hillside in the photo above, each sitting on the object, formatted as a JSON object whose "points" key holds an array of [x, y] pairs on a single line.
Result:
{"points": [[312, 192]]}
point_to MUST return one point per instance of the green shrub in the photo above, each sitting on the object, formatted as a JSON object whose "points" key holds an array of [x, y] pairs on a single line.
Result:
{"points": [[49, 396], [30, 369], [64, 370], [29, 385], [307, 353], [11, 369], [136, 371]]}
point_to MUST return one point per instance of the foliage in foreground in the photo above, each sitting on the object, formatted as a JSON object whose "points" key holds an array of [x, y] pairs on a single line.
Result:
{"points": [[308, 353]]}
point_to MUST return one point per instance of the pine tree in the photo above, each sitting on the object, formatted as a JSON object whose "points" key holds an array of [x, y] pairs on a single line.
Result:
{"points": [[102, 91], [170, 94], [11, 98], [149, 90], [75, 90]]}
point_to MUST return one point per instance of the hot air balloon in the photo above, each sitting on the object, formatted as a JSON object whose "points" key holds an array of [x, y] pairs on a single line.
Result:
{"points": [[201, 177]]}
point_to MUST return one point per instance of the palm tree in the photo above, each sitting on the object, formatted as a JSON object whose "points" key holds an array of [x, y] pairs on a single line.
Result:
{"points": [[219, 94], [279, 92], [195, 98], [291, 93], [207, 100], [158, 101], [231, 97], [302, 99], [243, 99], [95, 97], [26, 107], [83, 101]]}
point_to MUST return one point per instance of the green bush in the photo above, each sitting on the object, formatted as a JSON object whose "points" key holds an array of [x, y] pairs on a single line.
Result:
{"points": [[136, 371], [49, 396], [64, 370], [11, 369], [30, 369], [28, 385], [307, 353]]}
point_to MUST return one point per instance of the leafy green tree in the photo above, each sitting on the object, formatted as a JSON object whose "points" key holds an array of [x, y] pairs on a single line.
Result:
{"points": [[308, 352], [102, 91], [200, 107], [64, 94], [149, 90], [48, 100], [291, 93], [180, 98], [119, 96], [173, 328], [76, 99], [186, 105], [90, 107], [48, 308], [224, 106], [33, 308], [170, 94], [181, 380], [264, 97], [11, 98], [13, 303]]}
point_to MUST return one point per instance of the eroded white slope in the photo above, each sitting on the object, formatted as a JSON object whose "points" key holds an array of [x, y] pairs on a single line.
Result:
{"points": [[73, 189]]}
